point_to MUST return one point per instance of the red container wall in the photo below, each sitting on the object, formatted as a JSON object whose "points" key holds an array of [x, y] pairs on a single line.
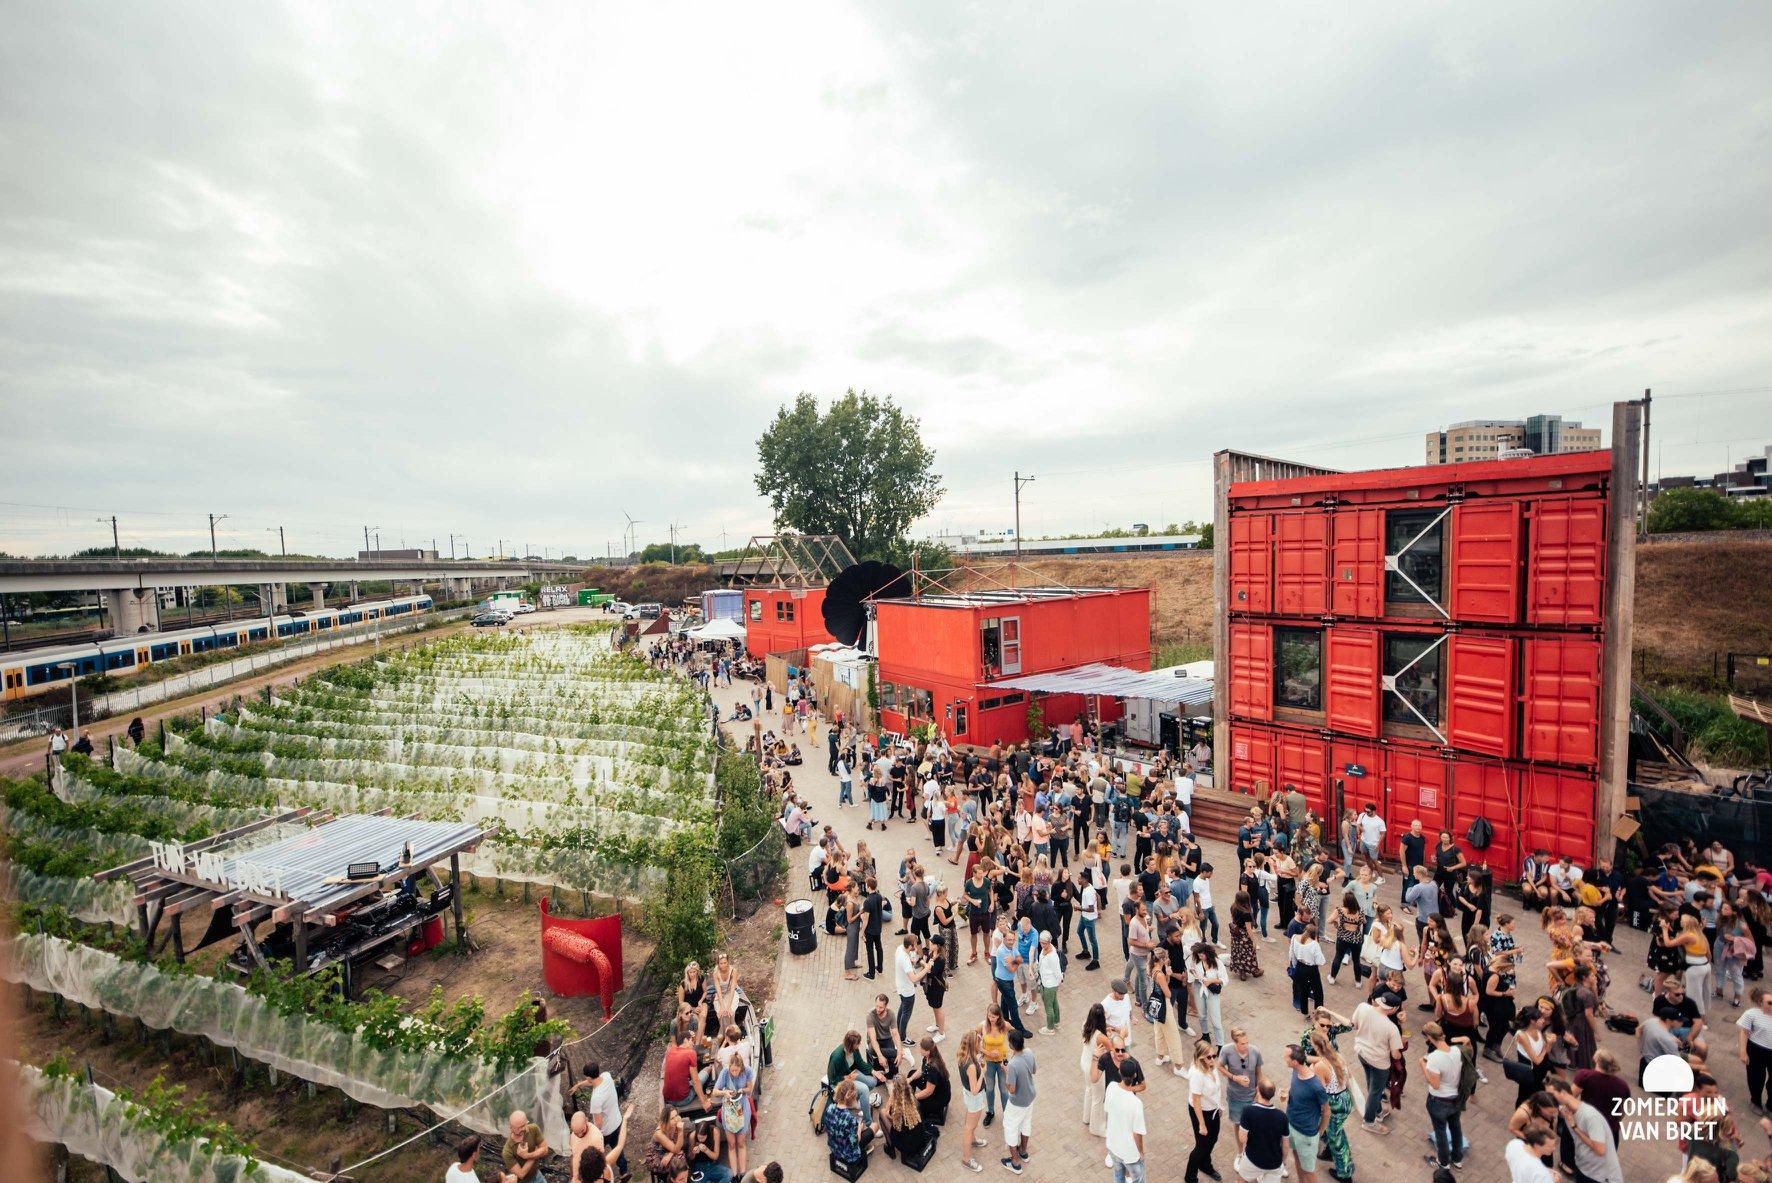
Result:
{"points": [[1557, 811], [1252, 758], [921, 646], [1351, 685], [1485, 545], [1251, 574], [1568, 561], [1480, 693], [1490, 790], [1302, 760], [1358, 575], [767, 634], [1416, 785], [1562, 700], [1356, 791], [1252, 666], [1301, 563]]}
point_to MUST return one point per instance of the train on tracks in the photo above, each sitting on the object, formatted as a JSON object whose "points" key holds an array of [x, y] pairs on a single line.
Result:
{"points": [[38, 671]]}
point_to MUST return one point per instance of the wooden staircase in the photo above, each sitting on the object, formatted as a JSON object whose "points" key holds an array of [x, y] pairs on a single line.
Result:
{"points": [[1217, 813]]}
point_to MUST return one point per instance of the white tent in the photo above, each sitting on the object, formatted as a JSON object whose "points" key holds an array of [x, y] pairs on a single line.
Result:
{"points": [[718, 630]]}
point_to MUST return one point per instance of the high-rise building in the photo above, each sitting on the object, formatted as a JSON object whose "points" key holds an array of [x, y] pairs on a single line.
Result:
{"points": [[1487, 439]]}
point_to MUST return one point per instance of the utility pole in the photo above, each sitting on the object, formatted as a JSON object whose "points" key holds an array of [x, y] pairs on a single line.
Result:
{"points": [[1019, 482], [378, 543], [673, 544], [213, 519], [281, 544], [1643, 485], [366, 539], [116, 547], [452, 546]]}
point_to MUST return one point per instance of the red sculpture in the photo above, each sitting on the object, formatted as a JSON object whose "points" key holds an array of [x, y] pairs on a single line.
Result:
{"points": [[580, 957]]}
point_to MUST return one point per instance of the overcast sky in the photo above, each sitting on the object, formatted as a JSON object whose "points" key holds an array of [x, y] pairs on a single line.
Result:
{"points": [[514, 271]]}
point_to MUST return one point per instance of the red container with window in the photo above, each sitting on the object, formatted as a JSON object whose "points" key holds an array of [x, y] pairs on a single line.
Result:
{"points": [[1436, 628]]}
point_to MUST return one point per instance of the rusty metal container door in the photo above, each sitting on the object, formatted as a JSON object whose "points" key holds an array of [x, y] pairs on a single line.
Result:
{"points": [[1301, 760], [1301, 563], [1480, 694], [1486, 561], [1252, 758], [1252, 671], [1557, 813], [1416, 785], [1562, 700], [1566, 576], [1357, 575], [1251, 587], [1351, 680], [1490, 790]]}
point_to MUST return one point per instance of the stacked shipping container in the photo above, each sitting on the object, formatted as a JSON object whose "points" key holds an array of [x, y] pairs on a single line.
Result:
{"points": [[1428, 640]]}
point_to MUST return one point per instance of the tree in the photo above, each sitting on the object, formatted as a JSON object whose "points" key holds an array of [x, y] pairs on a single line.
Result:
{"points": [[1205, 533], [860, 471], [661, 552], [1679, 511]]}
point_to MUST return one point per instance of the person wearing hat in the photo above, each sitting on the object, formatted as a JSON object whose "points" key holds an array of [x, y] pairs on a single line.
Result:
{"points": [[1376, 1040]]}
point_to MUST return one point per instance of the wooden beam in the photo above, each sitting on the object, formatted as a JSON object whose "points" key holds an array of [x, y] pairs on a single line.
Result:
{"points": [[1621, 588]]}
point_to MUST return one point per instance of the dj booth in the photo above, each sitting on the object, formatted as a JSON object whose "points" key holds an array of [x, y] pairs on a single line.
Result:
{"points": [[348, 892]]}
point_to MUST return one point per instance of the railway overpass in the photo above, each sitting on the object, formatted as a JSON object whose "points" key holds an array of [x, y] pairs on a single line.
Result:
{"points": [[131, 586]]}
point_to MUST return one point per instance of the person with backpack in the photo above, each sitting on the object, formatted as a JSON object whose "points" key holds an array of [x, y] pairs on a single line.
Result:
{"points": [[1120, 810]]}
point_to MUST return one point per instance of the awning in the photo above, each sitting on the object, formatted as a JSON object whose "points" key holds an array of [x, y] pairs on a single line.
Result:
{"points": [[722, 629], [1163, 685]]}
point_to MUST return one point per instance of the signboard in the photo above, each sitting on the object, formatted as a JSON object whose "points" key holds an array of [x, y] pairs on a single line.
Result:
{"points": [[1240, 749], [1355, 769], [555, 595], [1428, 796]]}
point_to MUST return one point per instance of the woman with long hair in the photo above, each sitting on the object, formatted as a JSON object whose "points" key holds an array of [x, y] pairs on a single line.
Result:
{"points": [[852, 926], [1205, 1087], [993, 1036], [1307, 970], [1349, 927], [845, 1136], [1099, 1056], [934, 977], [1332, 1071], [1455, 1004], [665, 1155], [1206, 976], [970, 1065], [725, 989], [1244, 962]]}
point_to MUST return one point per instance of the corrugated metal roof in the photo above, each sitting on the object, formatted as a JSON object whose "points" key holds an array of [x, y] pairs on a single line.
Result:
{"points": [[1162, 685], [304, 863], [1004, 595]]}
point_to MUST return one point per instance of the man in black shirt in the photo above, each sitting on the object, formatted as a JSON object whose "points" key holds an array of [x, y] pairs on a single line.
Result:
{"points": [[1413, 844], [873, 906], [1265, 1130], [1680, 1014]]}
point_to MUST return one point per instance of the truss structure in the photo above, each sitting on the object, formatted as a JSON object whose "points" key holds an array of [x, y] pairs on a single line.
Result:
{"points": [[792, 560]]}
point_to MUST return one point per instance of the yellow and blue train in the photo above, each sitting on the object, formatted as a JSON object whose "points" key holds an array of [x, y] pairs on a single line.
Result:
{"points": [[39, 670]]}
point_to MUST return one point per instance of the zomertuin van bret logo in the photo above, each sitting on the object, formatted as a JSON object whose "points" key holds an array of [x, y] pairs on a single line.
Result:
{"points": [[1671, 1112]]}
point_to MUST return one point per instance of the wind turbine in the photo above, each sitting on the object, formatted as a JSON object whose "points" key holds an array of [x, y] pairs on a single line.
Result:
{"points": [[633, 538]]}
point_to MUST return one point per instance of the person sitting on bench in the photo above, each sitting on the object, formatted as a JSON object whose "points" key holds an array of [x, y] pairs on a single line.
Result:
{"points": [[844, 1132], [680, 1086]]}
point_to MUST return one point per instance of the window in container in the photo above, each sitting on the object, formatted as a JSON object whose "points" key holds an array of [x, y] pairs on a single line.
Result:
{"points": [[1298, 668], [1414, 538], [1413, 661]]}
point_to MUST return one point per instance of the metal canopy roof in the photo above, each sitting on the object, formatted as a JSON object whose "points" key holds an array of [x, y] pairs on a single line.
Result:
{"points": [[984, 597], [1165, 685], [300, 866]]}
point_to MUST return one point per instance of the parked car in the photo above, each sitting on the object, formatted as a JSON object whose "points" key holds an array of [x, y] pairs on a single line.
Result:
{"points": [[650, 611], [621, 608], [524, 606], [491, 620]]}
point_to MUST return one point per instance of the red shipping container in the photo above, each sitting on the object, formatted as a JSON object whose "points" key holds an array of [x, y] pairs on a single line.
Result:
{"points": [[1486, 561], [1300, 761], [1252, 671], [1480, 693], [1416, 786], [1567, 569], [1356, 790], [1301, 563], [1251, 575], [1358, 576], [1557, 813], [1490, 790], [1351, 687], [1562, 700], [1252, 758]]}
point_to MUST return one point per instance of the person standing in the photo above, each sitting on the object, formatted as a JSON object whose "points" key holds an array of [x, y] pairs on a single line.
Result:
{"points": [[1376, 1041], [904, 969], [1370, 829], [1442, 1066], [1051, 974], [1596, 1153], [1088, 912], [1125, 1123], [1005, 968], [845, 779], [873, 906], [1413, 847], [1205, 1095], [1018, 1110], [1241, 1061], [1307, 1112], [1756, 1047], [1263, 1131]]}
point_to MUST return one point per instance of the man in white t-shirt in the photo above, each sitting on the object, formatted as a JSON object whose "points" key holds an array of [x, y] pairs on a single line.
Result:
{"points": [[1125, 1123], [904, 966], [1371, 828], [1524, 1154], [467, 1153], [1118, 1007], [1565, 878], [1184, 791]]}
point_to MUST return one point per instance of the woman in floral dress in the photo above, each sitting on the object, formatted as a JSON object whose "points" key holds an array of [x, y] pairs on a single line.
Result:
{"points": [[1244, 962]]}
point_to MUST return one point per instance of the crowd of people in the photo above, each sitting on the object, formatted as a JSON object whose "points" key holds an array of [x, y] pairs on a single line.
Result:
{"points": [[1030, 858]]}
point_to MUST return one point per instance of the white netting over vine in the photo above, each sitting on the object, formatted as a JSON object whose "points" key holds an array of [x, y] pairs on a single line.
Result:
{"points": [[98, 1125], [228, 1016], [91, 900]]}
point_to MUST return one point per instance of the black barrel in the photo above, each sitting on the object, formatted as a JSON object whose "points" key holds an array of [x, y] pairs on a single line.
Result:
{"points": [[802, 928]]}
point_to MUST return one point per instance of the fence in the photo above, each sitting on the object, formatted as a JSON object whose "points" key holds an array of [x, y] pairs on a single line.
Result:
{"points": [[134, 698], [1743, 824]]}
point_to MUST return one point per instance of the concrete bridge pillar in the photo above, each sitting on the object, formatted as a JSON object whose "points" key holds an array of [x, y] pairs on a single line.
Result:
{"points": [[354, 594], [133, 610], [273, 598], [317, 594]]}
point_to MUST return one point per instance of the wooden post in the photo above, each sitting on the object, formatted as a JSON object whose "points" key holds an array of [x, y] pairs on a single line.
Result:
{"points": [[461, 937], [1621, 587], [1221, 620]]}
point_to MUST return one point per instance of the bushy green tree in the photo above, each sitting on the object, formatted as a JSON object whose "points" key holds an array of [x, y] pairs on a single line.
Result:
{"points": [[1679, 511], [859, 470]]}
